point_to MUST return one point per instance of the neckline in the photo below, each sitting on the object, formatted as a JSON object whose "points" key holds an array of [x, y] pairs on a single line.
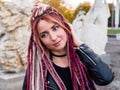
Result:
{"points": [[60, 66]]}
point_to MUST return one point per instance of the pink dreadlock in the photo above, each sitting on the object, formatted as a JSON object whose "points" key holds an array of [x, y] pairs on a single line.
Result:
{"points": [[38, 58]]}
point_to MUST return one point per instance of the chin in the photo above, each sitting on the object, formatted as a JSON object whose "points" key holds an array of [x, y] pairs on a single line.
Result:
{"points": [[59, 47]]}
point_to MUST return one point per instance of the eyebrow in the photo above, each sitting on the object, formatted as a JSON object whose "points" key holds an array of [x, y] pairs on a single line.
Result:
{"points": [[53, 26]]}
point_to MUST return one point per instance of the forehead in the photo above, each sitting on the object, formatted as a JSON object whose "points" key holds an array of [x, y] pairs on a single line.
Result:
{"points": [[44, 25]]}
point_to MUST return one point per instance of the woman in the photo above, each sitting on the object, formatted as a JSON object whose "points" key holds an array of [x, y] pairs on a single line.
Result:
{"points": [[57, 60]]}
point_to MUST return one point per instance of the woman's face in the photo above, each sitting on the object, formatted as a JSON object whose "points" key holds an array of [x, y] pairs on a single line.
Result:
{"points": [[52, 36]]}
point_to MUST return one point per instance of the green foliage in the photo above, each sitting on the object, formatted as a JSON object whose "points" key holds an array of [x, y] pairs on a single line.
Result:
{"points": [[112, 14], [85, 6], [113, 31], [71, 14], [59, 5], [68, 13]]}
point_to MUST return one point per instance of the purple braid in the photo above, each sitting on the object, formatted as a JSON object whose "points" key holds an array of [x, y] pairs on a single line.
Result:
{"points": [[30, 54]]}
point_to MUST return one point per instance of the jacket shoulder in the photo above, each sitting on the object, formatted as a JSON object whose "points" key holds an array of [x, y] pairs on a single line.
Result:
{"points": [[100, 72]]}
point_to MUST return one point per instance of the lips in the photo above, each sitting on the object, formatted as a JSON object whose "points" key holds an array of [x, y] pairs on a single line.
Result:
{"points": [[57, 43]]}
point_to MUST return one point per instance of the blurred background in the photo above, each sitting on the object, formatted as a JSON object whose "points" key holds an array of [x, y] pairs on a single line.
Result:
{"points": [[15, 32]]}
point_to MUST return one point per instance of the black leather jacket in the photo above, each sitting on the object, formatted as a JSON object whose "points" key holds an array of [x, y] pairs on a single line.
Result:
{"points": [[98, 70]]}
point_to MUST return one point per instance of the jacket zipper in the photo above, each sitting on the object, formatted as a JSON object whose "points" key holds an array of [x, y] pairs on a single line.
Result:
{"points": [[88, 57]]}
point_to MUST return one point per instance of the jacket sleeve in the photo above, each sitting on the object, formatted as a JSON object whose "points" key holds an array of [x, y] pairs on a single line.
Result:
{"points": [[98, 70]]}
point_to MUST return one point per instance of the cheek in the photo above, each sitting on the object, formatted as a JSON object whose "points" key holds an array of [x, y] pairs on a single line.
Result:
{"points": [[64, 35], [45, 42]]}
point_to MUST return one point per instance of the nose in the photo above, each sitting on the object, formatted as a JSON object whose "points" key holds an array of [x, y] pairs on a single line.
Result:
{"points": [[53, 36]]}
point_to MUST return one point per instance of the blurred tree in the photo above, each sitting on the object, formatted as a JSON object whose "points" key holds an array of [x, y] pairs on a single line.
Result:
{"points": [[59, 5], [71, 14], [110, 7], [85, 6], [112, 15]]}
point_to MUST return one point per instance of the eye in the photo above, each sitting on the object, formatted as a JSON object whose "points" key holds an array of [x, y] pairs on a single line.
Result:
{"points": [[55, 27], [43, 35]]}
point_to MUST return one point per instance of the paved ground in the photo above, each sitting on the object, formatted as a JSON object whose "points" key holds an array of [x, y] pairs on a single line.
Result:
{"points": [[113, 49]]}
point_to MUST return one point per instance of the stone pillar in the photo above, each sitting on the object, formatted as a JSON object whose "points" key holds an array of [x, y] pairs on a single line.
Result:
{"points": [[117, 14]]}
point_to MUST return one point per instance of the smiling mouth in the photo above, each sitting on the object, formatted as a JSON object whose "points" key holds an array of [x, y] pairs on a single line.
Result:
{"points": [[56, 44]]}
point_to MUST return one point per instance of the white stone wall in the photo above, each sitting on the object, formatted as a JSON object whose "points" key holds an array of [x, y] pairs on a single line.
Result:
{"points": [[14, 34]]}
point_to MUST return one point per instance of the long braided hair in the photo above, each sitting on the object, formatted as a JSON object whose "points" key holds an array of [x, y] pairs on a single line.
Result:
{"points": [[38, 57]]}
